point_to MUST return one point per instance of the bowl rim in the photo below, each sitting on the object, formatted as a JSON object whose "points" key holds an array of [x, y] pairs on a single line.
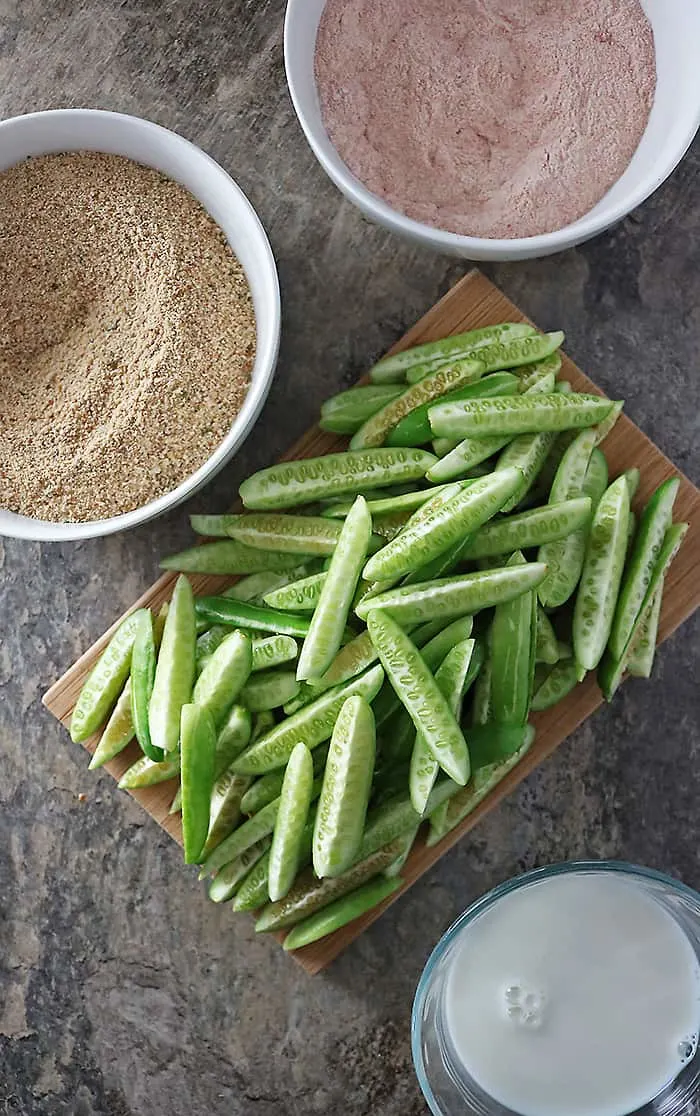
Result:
{"points": [[17, 525], [471, 247]]}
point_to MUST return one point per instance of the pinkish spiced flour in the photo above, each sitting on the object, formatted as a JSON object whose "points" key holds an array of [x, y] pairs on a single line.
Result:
{"points": [[495, 118]]}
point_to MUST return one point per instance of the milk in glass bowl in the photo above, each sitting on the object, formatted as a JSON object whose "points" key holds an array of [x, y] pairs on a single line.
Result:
{"points": [[571, 991]]}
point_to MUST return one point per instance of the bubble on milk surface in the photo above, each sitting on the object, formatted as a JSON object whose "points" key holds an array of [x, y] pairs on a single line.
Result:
{"points": [[687, 1047], [524, 1007]]}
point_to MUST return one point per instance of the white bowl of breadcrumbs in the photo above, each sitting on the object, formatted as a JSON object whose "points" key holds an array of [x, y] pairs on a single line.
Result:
{"points": [[141, 320]]}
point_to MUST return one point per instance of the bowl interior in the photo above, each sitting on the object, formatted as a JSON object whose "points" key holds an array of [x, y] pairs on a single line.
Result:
{"points": [[673, 121], [147, 143]]}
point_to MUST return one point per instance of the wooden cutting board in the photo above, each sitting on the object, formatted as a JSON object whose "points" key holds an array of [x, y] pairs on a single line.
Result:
{"points": [[474, 301]]}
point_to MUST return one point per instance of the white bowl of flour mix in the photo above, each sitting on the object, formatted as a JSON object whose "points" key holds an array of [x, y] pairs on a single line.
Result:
{"points": [[495, 129], [150, 346]]}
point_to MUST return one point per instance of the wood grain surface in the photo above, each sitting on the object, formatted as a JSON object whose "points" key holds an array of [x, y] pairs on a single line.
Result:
{"points": [[472, 302]]}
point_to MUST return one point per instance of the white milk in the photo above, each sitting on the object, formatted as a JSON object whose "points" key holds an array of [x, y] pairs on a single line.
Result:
{"points": [[578, 995]]}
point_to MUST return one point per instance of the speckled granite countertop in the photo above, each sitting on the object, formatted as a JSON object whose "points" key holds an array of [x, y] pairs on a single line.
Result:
{"points": [[123, 992]]}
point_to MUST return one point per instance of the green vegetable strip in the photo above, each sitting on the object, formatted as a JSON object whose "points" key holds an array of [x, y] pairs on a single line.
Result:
{"points": [[470, 452], [419, 693], [330, 616], [423, 540], [564, 558], [309, 894], [449, 348], [445, 378], [528, 529], [511, 641], [347, 780], [602, 573], [513, 352], [341, 912], [197, 768], [611, 670], [270, 689], [407, 501], [304, 481], [640, 659], [292, 815], [228, 556], [450, 597], [224, 676], [559, 682], [345, 413], [414, 429], [450, 679], [288, 534], [106, 680], [298, 596], [654, 522], [143, 670], [313, 724], [174, 678], [118, 732], [508, 416], [239, 614]]}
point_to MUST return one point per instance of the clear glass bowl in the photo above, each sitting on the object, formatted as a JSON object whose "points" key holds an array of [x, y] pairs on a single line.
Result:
{"points": [[447, 1088]]}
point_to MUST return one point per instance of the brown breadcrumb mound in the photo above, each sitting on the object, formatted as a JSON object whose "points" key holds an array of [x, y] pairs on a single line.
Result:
{"points": [[127, 336]]}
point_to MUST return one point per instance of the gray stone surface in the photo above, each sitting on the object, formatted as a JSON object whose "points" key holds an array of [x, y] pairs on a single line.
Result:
{"points": [[123, 992]]}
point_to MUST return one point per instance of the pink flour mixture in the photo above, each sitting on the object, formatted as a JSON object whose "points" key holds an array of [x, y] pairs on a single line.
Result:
{"points": [[495, 118]]}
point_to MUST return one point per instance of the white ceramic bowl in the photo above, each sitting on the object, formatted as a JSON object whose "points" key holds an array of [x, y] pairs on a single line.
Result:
{"points": [[673, 122], [40, 133]]}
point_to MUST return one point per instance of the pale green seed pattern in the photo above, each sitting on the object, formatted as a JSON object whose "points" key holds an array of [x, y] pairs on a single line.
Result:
{"points": [[273, 651], [600, 579], [654, 522], [225, 809], [546, 644], [106, 680], [294, 804], [313, 724], [433, 352], [289, 534], [512, 352], [510, 415], [298, 596], [528, 529], [450, 597], [450, 678], [445, 378], [226, 882], [559, 682], [418, 691], [118, 731], [309, 894], [146, 773], [467, 453], [304, 481], [446, 525], [347, 781], [270, 689], [640, 659]]}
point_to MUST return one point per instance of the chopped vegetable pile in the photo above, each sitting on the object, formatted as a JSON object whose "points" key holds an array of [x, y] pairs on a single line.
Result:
{"points": [[401, 609]]}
